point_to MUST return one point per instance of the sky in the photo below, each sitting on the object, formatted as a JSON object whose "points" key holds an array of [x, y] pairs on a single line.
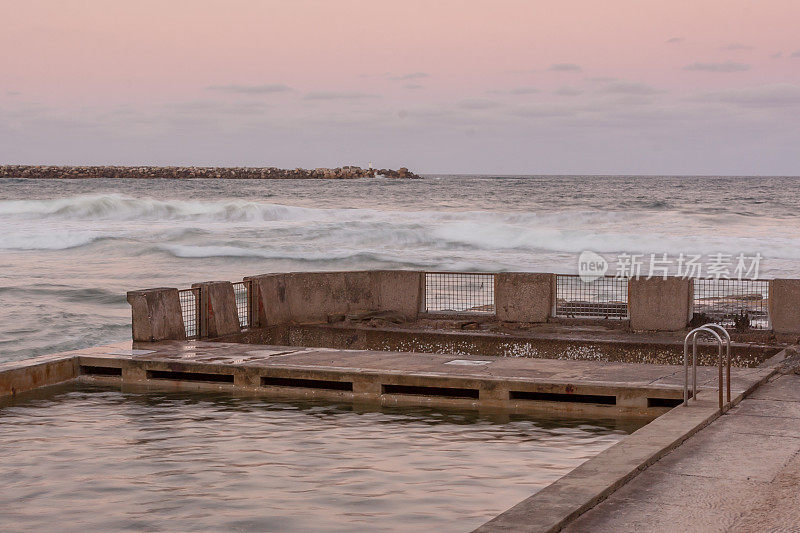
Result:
{"points": [[439, 86]]}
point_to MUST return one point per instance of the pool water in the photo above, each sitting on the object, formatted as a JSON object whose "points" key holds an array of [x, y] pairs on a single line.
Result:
{"points": [[95, 459]]}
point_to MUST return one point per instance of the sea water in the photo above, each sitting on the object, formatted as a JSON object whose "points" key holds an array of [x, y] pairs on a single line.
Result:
{"points": [[70, 249]]}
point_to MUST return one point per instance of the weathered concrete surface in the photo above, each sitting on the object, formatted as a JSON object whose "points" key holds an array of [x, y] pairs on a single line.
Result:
{"points": [[552, 341], [558, 503], [659, 304], [523, 297], [398, 291], [784, 305], [512, 384], [313, 297], [156, 315], [742, 473], [217, 309], [21, 376]]}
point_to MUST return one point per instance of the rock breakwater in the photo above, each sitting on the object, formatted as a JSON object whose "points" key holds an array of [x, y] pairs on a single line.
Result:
{"points": [[149, 172]]}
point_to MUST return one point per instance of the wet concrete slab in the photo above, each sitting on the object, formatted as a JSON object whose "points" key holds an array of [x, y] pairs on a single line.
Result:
{"points": [[631, 387], [741, 473], [373, 360]]}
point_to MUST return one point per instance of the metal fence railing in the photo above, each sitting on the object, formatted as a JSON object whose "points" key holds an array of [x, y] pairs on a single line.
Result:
{"points": [[733, 302], [450, 292], [241, 290], [190, 309], [605, 297]]}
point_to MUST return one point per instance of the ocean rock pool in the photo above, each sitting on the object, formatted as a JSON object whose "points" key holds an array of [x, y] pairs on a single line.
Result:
{"points": [[89, 458]]}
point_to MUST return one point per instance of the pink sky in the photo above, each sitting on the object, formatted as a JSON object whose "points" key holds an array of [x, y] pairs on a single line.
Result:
{"points": [[463, 86]]}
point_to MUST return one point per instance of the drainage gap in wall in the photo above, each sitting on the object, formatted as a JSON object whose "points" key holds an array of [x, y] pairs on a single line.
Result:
{"points": [[445, 392], [87, 370], [190, 376], [306, 383], [664, 402], [559, 397]]}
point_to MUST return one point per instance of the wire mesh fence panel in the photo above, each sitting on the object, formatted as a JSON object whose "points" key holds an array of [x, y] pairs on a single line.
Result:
{"points": [[733, 302], [459, 293], [605, 297], [189, 299], [241, 290]]}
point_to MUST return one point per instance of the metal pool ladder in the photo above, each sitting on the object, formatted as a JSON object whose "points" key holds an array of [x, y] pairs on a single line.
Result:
{"points": [[713, 331]]}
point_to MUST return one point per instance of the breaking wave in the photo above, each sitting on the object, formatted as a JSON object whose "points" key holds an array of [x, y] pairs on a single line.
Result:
{"points": [[240, 228]]}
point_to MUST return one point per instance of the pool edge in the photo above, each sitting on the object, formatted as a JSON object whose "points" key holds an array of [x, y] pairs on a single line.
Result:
{"points": [[555, 506]]}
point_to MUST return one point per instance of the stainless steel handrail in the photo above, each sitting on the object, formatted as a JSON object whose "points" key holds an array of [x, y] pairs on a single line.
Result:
{"points": [[727, 336], [692, 335]]}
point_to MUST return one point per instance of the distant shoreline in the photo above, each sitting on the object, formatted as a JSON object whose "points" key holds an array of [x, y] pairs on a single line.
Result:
{"points": [[154, 172]]}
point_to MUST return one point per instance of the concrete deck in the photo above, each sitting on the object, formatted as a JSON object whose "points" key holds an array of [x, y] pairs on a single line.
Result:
{"points": [[513, 384], [741, 473]]}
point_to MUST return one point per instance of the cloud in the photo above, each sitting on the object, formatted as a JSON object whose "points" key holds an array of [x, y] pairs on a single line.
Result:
{"points": [[764, 96], [251, 89], [602, 79], [410, 76], [674, 40], [542, 111], [629, 87], [336, 95], [413, 86], [523, 90], [738, 46], [777, 55], [568, 91], [564, 67], [13, 93], [796, 53], [478, 103], [728, 66]]}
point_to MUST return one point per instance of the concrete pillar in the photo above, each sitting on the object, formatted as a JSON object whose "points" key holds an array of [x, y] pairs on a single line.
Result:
{"points": [[218, 314], [156, 315], [399, 291], [270, 306], [784, 305], [523, 297], [659, 304]]}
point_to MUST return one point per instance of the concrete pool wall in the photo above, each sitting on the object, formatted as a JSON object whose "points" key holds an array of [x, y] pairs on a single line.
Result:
{"points": [[643, 305]]}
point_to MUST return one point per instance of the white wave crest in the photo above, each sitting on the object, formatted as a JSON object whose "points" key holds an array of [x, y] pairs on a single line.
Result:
{"points": [[122, 207], [51, 240]]}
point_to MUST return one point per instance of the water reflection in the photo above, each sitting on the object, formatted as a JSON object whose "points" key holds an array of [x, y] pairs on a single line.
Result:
{"points": [[94, 459]]}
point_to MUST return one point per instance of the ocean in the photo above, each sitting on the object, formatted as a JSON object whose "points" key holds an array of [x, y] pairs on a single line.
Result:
{"points": [[70, 249]]}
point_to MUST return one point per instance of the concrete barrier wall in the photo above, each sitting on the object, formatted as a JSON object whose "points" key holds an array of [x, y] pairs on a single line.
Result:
{"points": [[784, 305], [523, 297], [218, 314], [156, 315], [309, 297], [658, 304], [313, 297]]}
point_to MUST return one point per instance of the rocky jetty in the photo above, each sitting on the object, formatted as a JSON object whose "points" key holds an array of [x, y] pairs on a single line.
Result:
{"points": [[71, 172]]}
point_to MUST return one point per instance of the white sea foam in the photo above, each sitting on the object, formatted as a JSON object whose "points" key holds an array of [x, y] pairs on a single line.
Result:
{"points": [[48, 240], [244, 228]]}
